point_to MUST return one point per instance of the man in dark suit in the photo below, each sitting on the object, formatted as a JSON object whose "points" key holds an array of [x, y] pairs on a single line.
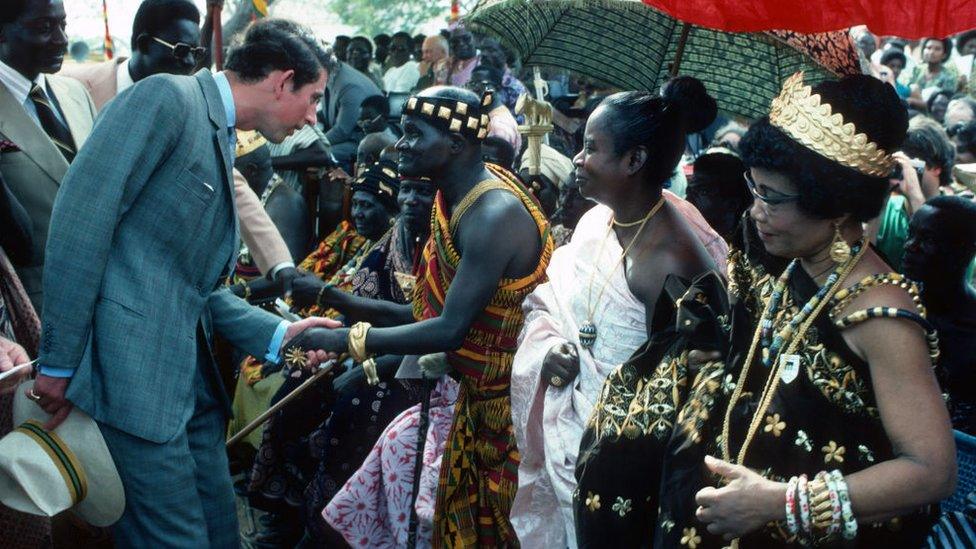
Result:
{"points": [[341, 107], [44, 119], [144, 230]]}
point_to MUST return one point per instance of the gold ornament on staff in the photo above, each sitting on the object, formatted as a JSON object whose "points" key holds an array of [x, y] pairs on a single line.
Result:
{"points": [[296, 358], [538, 123]]}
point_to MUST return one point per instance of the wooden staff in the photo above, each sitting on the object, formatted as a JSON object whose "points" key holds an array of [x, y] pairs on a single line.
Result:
{"points": [[418, 464], [261, 419]]}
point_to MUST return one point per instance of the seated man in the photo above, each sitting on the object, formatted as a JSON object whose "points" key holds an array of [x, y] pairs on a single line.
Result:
{"points": [[496, 150], [939, 249], [374, 117]]}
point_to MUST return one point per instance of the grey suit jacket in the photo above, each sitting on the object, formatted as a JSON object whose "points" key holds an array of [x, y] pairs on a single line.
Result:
{"points": [[346, 90], [143, 229], [35, 172]]}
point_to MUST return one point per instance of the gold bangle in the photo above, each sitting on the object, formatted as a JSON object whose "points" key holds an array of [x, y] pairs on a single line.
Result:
{"points": [[357, 341], [369, 368]]}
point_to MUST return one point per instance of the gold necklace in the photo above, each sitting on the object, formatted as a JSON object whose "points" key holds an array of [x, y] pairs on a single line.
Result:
{"points": [[772, 382], [587, 331]]}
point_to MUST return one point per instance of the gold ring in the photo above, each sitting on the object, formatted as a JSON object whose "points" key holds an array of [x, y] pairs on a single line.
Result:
{"points": [[556, 381], [32, 395]]}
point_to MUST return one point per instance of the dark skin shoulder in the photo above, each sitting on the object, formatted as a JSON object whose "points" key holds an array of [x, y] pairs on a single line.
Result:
{"points": [[668, 247]]}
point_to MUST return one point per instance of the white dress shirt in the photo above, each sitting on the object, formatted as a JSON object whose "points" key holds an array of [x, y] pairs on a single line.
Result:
{"points": [[402, 79]]}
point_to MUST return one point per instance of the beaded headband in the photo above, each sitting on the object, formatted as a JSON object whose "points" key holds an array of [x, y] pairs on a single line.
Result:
{"points": [[380, 179], [452, 115], [799, 112], [248, 142]]}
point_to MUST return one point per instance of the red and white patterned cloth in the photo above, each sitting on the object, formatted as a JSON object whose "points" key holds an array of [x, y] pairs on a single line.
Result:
{"points": [[373, 508]]}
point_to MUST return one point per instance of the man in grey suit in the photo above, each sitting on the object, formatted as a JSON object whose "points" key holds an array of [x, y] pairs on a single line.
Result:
{"points": [[143, 231], [36, 109], [341, 107]]}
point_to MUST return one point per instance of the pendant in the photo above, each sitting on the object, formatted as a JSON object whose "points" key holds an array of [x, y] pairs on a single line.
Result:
{"points": [[587, 334]]}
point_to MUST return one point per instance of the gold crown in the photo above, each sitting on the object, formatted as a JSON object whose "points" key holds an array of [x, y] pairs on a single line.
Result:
{"points": [[248, 141], [799, 112]]}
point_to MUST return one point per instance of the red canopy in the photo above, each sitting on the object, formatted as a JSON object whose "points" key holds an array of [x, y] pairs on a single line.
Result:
{"points": [[904, 18]]}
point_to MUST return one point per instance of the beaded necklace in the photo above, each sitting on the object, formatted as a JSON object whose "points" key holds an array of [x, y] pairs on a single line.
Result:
{"points": [[794, 337]]}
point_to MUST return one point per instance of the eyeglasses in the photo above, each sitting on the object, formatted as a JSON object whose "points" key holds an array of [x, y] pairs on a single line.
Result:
{"points": [[770, 201], [181, 50], [954, 129]]}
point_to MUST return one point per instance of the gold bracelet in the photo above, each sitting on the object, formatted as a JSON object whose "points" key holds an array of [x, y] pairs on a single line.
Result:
{"points": [[369, 368], [357, 341]]}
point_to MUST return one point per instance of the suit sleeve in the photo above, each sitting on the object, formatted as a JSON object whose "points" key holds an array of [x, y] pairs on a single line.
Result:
{"points": [[257, 230], [133, 136], [246, 327], [350, 99]]}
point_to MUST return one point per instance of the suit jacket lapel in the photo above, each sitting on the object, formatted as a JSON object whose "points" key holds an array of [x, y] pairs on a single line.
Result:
{"points": [[75, 110], [18, 127]]}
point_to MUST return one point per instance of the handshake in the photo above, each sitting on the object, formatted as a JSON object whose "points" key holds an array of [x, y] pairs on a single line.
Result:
{"points": [[312, 341]]}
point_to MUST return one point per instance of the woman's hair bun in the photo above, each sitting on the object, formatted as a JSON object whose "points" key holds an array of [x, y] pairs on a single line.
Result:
{"points": [[696, 108]]}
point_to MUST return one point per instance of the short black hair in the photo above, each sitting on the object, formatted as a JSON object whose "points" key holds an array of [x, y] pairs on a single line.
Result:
{"points": [[378, 102], [935, 95], [364, 40], [891, 54], [494, 73], [966, 137], [12, 11], [659, 122], [962, 225], [382, 38], [276, 44], [155, 15], [402, 34], [928, 141], [826, 188], [506, 152], [962, 38]]}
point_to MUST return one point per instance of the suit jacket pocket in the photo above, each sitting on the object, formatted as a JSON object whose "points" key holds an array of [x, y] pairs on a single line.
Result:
{"points": [[197, 186]]}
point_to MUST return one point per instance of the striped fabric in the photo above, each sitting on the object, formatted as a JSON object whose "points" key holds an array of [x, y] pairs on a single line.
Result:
{"points": [[630, 46], [479, 471], [53, 126], [62, 456]]}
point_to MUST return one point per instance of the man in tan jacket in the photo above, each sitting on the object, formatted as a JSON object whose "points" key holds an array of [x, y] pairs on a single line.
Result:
{"points": [[166, 39]]}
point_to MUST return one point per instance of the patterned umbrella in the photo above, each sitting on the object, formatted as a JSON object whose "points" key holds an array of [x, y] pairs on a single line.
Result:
{"points": [[628, 45]]}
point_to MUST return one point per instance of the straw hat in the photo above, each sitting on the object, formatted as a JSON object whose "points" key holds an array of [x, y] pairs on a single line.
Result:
{"points": [[44, 473]]}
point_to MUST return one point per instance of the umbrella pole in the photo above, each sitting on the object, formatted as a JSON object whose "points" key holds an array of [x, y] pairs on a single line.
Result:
{"points": [[418, 464], [682, 40]]}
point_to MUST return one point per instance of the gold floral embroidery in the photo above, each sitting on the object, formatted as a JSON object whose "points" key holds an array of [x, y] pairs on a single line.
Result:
{"points": [[592, 501], [866, 453], [774, 425], [690, 538], [701, 399], [833, 452], [621, 506]]}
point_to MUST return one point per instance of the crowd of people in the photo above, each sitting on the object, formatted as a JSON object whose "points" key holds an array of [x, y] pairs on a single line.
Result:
{"points": [[338, 293]]}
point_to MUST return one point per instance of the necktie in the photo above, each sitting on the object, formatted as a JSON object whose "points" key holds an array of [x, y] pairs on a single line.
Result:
{"points": [[55, 129]]}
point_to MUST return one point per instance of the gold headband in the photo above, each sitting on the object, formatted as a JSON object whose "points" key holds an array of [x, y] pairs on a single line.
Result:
{"points": [[248, 141], [799, 112], [451, 115]]}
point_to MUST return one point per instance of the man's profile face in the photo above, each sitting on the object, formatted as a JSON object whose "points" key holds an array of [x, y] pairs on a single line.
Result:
{"points": [[423, 149], [36, 41], [431, 51], [162, 58], [292, 109], [462, 44], [370, 216]]}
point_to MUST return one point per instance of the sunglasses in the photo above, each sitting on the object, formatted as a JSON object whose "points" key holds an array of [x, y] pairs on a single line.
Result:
{"points": [[181, 50], [772, 201]]}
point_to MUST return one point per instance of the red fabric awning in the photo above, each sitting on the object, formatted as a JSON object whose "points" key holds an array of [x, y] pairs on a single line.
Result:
{"points": [[904, 18]]}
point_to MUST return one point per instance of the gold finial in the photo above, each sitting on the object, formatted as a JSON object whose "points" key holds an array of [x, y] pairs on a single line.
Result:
{"points": [[800, 113], [295, 357]]}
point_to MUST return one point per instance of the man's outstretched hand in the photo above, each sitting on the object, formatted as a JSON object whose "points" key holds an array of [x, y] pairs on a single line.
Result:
{"points": [[12, 354], [315, 336]]}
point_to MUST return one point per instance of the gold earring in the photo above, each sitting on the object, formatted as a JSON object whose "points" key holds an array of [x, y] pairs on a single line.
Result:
{"points": [[840, 250]]}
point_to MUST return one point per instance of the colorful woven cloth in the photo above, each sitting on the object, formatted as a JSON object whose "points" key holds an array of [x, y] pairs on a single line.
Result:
{"points": [[479, 473]]}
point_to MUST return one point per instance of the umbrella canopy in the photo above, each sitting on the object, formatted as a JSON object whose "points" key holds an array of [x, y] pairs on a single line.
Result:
{"points": [[630, 46], [905, 18]]}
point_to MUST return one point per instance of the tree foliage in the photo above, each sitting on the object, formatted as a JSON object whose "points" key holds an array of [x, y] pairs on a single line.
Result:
{"points": [[388, 16]]}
